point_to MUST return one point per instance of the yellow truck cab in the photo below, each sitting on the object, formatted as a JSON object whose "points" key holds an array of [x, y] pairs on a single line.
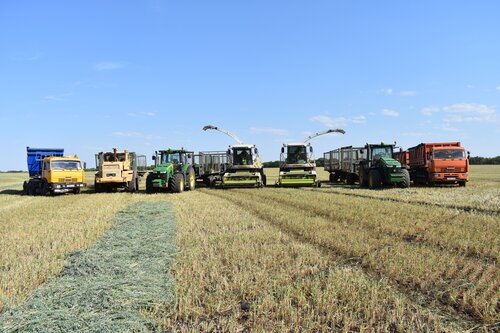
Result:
{"points": [[51, 173]]}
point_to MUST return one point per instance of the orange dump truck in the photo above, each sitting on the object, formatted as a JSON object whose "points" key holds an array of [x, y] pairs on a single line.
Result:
{"points": [[443, 162]]}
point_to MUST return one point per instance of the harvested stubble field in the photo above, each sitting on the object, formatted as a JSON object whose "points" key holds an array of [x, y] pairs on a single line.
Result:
{"points": [[337, 258]]}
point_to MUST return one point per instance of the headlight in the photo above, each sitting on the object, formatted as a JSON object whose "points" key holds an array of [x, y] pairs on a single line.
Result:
{"points": [[436, 175]]}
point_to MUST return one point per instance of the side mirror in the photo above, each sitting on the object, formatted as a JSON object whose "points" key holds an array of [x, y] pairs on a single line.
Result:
{"points": [[311, 149], [229, 151], [189, 156], [282, 150], [256, 151], [84, 165], [153, 157], [468, 154]]}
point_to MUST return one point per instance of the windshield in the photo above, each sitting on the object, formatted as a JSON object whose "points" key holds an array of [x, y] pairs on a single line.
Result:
{"points": [[66, 165], [296, 155], [378, 152], [242, 156], [110, 157], [449, 154], [174, 158]]}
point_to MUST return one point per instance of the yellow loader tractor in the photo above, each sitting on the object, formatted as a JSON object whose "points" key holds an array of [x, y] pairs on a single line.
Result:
{"points": [[119, 170]]}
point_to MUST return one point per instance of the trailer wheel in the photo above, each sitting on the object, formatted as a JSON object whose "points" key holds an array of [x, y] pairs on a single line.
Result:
{"points": [[462, 183], [25, 188], [97, 187], [264, 180], [374, 179], [351, 179], [45, 187], [177, 183], [77, 190], [333, 177], [406, 178]]}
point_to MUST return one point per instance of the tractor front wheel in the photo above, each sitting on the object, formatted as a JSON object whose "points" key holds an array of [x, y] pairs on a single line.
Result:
{"points": [[374, 179], [406, 178], [177, 183], [462, 183]]}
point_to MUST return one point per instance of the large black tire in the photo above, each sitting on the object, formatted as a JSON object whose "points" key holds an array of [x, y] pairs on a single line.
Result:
{"points": [[406, 178], [25, 188], [77, 190], [334, 177], [132, 185], [149, 184], [97, 187], [264, 180], [177, 183], [351, 179], [374, 179], [45, 187], [462, 183], [363, 177], [191, 179]]}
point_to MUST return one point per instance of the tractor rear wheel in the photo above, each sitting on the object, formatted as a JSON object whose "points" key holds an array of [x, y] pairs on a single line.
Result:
{"points": [[363, 178], [149, 184], [374, 179], [177, 183], [406, 178], [191, 179]]}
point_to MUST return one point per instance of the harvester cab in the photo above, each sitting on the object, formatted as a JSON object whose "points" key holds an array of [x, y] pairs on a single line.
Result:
{"points": [[119, 169], [174, 171], [244, 168], [379, 168], [297, 164]]}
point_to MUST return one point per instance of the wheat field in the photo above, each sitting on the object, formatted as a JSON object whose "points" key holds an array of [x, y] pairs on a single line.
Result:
{"points": [[335, 258]]}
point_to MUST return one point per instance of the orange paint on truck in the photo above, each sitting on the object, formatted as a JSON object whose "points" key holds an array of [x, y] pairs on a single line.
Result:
{"points": [[443, 162]]}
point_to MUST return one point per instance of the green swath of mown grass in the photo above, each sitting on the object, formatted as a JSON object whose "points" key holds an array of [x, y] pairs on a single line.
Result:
{"points": [[105, 287]]}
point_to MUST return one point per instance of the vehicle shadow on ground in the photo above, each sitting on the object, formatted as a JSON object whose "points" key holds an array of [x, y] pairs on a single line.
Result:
{"points": [[12, 192]]}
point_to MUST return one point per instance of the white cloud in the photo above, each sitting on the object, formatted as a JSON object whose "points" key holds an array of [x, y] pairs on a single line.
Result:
{"points": [[142, 114], [269, 130], [408, 93], [465, 113], [387, 91], [469, 108], [56, 98], [390, 113], [498, 88], [109, 65], [428, 111], [332, 122]]}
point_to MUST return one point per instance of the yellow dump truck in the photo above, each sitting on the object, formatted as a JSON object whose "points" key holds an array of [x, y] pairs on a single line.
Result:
{"points": [[119, 170], [51, 172]]}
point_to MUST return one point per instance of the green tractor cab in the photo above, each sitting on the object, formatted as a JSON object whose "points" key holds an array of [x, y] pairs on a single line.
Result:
{"points": [[297, 166], [379, 168], [174, 171]]}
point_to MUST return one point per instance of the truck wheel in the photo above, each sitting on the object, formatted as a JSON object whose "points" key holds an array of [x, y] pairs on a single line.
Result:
{"points": [[45, 188], [191, 179], [374, 179], [264, 180], [97, 187], [149, 184], [77, 190], [406, 178], [25, 188], [351, 179], [462, 183], [177, 183]]}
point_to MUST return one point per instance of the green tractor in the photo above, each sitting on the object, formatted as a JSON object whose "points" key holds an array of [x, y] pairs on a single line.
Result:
{"points": [[174, 171], [379, 168]]}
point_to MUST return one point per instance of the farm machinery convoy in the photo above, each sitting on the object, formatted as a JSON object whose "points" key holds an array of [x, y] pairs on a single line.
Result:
{"points": [[177, 170]]}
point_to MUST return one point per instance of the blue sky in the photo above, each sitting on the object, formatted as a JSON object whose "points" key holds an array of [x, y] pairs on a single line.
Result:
{"points": [[146, 75]]}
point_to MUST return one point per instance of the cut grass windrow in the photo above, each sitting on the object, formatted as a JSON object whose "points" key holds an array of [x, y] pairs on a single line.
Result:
{"points": [[109, 286], [465, 286], [238, 272], [461, 207]]}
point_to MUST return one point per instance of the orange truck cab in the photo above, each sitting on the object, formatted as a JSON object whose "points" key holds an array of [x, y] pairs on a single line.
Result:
{"points": [[444, 162]]}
